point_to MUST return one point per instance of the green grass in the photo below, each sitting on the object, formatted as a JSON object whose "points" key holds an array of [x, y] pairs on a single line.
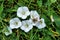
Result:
{"points": [[45, 8]]}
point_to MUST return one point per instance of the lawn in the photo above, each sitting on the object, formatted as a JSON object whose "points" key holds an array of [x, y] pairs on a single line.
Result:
{"points": [[47, 9]]}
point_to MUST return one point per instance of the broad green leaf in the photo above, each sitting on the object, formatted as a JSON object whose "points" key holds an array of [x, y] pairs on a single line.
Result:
{"points": [[58, 7], [53, 1], [58, 30], [39, 3], [47, 20], [57, 20]]}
